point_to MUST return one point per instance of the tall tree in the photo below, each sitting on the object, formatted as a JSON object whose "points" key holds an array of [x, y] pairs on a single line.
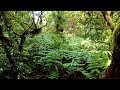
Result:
{"points": [[58, 22], [113, 71], [14, 37]]}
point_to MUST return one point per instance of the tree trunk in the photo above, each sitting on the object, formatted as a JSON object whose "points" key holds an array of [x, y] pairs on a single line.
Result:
{"points": [[59, 23], [113, 71], [108, 19]]}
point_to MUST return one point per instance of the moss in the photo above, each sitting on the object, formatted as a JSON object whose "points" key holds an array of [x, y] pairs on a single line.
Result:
{"points": [[116, 36], [113, 71]]}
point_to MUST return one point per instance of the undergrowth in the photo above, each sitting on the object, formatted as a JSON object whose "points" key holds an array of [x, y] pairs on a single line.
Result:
{"points": [[55, 58]]}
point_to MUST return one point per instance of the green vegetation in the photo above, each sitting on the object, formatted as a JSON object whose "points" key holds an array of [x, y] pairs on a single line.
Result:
{"points": [[59, 45]]}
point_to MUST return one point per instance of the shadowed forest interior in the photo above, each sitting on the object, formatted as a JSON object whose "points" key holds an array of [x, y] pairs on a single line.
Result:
{"points": [[59, 44]]}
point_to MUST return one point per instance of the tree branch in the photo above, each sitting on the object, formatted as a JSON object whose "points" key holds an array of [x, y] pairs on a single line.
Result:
{"points": [[5, 43], [108, 19], [33, 32], [22, 41], [33, 20]]}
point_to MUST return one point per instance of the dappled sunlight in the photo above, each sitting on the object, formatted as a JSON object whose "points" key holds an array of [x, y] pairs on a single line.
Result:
{"points": [[86, 43], [55, 44], [108, 63]]}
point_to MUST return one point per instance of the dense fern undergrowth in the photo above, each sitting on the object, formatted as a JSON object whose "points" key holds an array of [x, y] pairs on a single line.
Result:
{"points": [[48, 56], [80, 50]]}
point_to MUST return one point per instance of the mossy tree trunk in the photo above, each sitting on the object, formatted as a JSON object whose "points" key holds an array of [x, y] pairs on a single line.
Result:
{"points": [[8, 42], [58, 22], [108, 19], [113, 71]]}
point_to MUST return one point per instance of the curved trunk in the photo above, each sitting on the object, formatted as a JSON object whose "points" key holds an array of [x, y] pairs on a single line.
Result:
{"points": [[108, 19], [113, 71]]}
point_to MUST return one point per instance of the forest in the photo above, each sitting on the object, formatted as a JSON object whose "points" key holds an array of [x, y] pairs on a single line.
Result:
{"points": [[59, 45]]}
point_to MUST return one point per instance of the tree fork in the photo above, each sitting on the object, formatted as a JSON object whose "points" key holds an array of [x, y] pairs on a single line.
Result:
{"points": [[6, 47], [108, 19]]}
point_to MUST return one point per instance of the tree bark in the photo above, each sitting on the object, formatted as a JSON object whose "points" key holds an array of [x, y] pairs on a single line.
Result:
{"points": [[6, 45], [58, 25], [108, 19], [113, 71]]}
